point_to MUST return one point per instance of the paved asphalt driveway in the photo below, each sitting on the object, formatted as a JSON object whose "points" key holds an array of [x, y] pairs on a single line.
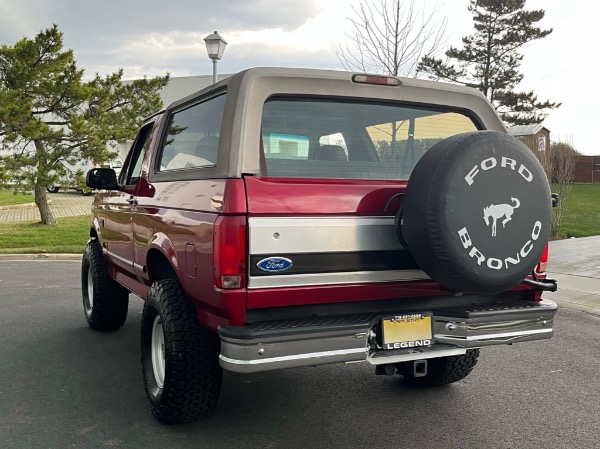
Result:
{"points": [[63, 385]]}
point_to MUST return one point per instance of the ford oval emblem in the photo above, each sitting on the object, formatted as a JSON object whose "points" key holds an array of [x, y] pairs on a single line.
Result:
{"points": [[274, 264]]}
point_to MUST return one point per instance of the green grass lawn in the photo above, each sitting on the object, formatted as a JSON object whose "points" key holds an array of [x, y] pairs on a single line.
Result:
{"points": [[69, 235], [581, 217], [9, 198]]}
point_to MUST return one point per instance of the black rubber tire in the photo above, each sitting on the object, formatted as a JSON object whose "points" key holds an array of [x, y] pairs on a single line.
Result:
{"points": [[477, 212], [105, 302], [441, 371], [192, 375], [86, 192], [53, 189]]}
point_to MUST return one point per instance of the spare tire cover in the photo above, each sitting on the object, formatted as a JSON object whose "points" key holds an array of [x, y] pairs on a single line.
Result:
{"points": [[477, 212]]}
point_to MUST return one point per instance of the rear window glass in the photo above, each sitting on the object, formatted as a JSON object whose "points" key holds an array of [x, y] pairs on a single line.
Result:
{"points": [[324, 138]]}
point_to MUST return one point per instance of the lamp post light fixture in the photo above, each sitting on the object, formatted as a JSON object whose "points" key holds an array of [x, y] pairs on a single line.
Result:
{"points": [[215, 46]]}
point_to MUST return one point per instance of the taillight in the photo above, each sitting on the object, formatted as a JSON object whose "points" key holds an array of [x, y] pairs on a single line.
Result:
{"points": [[95, 164], [541, 268], [230, 249]]}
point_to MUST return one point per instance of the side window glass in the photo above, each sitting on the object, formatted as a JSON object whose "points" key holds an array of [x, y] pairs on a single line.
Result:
{"points": [[140, 146], [193, 137]]}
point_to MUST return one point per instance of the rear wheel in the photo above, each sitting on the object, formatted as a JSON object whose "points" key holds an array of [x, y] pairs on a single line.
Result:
{"points": [[180, 359], [53, 189], [441, 371], [105, 302]]}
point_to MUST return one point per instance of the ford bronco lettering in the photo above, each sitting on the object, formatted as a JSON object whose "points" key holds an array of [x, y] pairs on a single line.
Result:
{"points": [[288, 217]]}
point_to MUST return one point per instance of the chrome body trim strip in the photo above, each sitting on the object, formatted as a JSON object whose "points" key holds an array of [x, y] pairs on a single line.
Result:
{"points": [[352, 277], [491, 339], [321, 234], [288, 358], [116, 256], [139, 267], [283, 236], [409, 355]]}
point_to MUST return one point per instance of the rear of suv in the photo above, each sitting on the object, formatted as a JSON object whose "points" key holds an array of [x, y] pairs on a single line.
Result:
{"points": [[290, 217]]}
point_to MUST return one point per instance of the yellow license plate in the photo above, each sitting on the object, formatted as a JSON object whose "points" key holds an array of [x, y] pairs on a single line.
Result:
{"points": [[411, 330]]}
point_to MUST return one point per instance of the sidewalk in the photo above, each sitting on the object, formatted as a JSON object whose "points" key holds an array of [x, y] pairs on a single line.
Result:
{"points": [[575, 264], [63, 204]]}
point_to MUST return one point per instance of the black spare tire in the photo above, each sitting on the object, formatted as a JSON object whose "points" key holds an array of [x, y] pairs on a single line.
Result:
{"points": [[477, 212]]}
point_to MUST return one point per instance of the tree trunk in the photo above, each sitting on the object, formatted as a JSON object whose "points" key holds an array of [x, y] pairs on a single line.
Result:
{"points": [[41, 200]]}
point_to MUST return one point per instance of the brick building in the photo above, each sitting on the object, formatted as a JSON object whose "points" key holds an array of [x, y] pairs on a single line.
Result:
{"points": [[587, 169]]}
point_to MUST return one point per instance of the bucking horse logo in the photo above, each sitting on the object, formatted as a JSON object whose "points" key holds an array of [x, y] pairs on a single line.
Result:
{"points": [[497, 211]]}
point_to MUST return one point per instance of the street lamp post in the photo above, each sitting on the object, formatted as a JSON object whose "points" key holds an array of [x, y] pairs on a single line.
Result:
{"points": [[215, 46]]}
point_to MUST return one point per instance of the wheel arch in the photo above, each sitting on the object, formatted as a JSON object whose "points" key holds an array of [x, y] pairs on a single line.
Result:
{"points": [[95, 233], [160, 265]]}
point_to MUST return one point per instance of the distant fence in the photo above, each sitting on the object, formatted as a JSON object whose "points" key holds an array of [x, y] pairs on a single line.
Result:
{"points": [[587, 169]]}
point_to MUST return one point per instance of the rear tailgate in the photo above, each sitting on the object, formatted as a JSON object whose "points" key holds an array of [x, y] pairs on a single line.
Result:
{"points": [[314, 241]]}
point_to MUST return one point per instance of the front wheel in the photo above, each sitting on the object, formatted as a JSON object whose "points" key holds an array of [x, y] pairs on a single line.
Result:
{"points": [[180, 358], [441, 371], [105, 302], [53, 189]]}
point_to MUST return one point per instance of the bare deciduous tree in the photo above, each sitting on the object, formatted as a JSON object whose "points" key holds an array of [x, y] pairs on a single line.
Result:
{"points": [[560, 171], [390, 37]]}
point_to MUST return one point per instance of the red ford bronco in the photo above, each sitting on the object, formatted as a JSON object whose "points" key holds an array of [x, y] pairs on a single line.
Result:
{"points": [[289, 217]]}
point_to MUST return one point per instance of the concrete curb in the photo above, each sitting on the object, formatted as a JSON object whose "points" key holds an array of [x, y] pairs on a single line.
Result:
{"points": [[42, 256]]}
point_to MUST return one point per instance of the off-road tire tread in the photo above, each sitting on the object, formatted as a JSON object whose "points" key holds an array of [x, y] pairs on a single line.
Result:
{"points": [[442, 371], [111, 299], [192, 373]]}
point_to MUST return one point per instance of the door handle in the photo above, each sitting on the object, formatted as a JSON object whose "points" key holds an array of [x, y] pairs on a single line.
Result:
{"points": [[132, 201]]}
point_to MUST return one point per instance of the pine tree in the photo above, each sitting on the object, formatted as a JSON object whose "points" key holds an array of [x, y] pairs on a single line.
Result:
{"points": [[490, 60], [49, 114]]}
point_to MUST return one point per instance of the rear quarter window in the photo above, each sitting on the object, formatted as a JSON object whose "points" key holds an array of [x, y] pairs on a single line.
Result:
{"points": [[192, 139]]}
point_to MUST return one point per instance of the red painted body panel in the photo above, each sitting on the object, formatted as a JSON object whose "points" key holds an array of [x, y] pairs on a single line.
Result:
{"points": [[294, 296], [177, 221], [304, 196], [312, 197]]}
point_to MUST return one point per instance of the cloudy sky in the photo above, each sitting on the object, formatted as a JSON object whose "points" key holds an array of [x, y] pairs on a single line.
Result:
{"points": [[146, 37]]}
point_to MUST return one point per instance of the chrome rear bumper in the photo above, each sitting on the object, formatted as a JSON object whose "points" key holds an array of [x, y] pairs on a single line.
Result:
{"points": [[294, 343]]}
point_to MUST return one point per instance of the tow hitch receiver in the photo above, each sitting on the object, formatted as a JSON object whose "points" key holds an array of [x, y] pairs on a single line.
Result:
{"points": [[420, 368]]}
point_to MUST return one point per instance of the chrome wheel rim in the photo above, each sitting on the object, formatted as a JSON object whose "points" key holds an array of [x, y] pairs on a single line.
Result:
{"points": [[157, 351], [90, 290]]}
